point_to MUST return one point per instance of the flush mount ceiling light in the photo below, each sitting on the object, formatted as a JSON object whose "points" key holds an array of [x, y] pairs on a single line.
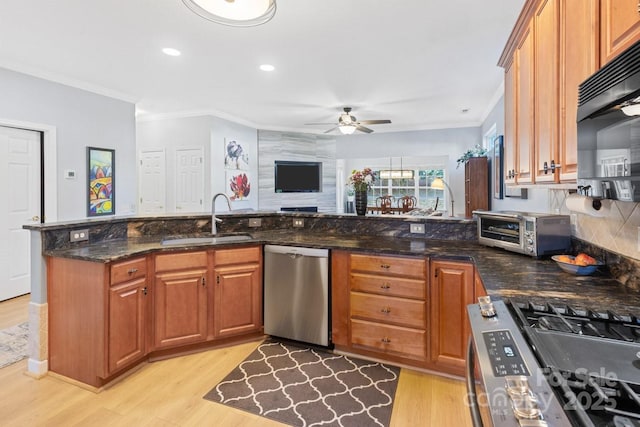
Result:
{"points": [[235, 13]]}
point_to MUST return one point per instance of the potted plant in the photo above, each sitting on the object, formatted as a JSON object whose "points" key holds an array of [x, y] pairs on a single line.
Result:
{"points": [[477, 151], [361, 181]]}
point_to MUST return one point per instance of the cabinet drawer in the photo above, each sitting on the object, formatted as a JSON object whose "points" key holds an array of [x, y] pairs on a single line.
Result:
{"points": [[181, 261], [389, 339], [237, 256], [410, 267], [388, 309], [388, 285], [128, 270]]}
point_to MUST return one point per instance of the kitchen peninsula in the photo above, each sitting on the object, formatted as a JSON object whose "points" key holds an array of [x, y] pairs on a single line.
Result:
{"points": [[431, 276]]}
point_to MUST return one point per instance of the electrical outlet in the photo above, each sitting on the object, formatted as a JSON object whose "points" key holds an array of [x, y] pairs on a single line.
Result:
{"points": [[417, 228], [255, 222], [79, 235], [298, 222]]}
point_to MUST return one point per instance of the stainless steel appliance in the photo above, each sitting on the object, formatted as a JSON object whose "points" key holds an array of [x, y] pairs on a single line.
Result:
{"points": [[609, 129], [534, 234], [542, 365], [296, 293]]}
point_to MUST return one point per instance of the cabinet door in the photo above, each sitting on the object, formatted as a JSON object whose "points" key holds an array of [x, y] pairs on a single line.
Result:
{"points": [[180, 307], [452, 288], [579, 51], [238, 299], [525, 109], [510, 121], [619, 27], [127, 320], [546, 90]]}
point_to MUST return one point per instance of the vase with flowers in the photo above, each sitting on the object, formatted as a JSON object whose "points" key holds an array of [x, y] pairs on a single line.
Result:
{"points": [[361, 181]]}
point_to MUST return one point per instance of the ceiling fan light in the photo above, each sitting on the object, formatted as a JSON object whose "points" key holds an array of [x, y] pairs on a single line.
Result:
{"points": [[235, 13], [347, 129]]}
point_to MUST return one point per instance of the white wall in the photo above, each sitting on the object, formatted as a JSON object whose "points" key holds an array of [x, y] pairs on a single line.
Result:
{"points": [[81, 119], [445, 145], [209, 133]]}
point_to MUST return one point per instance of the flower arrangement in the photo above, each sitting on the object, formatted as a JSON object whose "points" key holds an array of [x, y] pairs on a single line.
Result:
{"points": [[362, 180], [477, 151]]}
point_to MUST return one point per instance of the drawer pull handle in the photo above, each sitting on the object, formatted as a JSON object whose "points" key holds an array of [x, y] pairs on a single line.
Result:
{"points": [[385, 266], [385, 286], [385, 340], [386, 310], [132, 271]]}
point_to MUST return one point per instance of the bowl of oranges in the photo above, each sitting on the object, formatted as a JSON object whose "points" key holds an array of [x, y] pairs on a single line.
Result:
{"points": [[581, 264]]}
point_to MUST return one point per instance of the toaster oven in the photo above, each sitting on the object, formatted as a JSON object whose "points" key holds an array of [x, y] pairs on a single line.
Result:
{"points": [[534, 234]]}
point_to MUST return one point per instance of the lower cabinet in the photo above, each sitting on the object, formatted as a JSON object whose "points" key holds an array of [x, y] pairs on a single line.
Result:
{"points": [[414, 315], [237, 291], [451, 290]]}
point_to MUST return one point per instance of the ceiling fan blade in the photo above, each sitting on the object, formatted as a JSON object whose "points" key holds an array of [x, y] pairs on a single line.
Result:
{"points": [[322, 124], [364, 129], [375, 122], [331, 130]]}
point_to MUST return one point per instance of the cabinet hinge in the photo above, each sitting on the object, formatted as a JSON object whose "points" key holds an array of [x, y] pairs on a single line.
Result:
{"points": [[218, 280]]}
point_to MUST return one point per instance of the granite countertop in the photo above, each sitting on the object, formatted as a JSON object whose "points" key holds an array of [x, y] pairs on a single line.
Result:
{"points": [[504, 274]]}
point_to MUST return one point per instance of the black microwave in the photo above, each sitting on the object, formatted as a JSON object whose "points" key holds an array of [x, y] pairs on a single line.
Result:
{"points": [[609, 129]]}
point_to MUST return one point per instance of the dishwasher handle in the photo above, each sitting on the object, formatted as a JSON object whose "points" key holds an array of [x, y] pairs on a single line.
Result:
{"points": [[296, 251]]}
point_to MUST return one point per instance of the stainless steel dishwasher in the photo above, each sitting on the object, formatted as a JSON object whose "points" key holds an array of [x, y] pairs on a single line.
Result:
{"points": [[296, 293]]}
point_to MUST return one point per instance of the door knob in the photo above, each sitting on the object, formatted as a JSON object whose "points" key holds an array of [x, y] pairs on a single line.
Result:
{"points": [[35, 218]]}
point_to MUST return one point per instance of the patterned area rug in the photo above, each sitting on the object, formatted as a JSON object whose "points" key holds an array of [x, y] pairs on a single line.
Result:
{"points": [[13, 344], [307, 387]]}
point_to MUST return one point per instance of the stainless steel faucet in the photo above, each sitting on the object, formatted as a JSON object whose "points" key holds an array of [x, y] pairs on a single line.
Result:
{"points": [[214, 230]]}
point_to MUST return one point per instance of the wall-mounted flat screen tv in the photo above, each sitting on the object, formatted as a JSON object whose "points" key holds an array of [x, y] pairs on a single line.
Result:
{"points": [[298, 177]]}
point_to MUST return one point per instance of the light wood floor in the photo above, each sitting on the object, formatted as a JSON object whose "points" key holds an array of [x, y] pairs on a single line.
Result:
{"points": [[169, 393]]}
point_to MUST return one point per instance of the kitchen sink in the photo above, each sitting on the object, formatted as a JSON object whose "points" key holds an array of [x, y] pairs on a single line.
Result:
{"points": [[208, 240]]}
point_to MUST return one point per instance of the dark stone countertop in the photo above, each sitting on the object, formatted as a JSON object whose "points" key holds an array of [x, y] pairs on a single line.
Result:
{"points": [[504, 274]]}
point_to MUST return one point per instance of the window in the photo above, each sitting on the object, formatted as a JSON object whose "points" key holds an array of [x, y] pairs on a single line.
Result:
{"points": [[409, 182]]}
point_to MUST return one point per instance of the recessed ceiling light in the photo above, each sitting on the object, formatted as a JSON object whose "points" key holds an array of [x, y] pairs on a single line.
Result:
{"points": [[171, 51], [267, 67]]}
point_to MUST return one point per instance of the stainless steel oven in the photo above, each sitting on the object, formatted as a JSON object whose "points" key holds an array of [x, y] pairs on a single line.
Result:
{"points": [[534, 234], [542, 365]]}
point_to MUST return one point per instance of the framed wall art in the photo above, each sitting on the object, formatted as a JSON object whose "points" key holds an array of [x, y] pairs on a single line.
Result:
{"points": [[101, 181], [498, 168]]}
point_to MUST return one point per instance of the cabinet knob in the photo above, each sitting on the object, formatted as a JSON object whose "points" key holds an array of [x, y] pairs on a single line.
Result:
{"points": [[386, 310], [385, 285], [385, 340], [132, 271], [385, 266]]}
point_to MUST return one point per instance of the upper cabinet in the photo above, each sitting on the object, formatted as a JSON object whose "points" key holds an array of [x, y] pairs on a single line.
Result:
{"points": [[555, 45], [619, 27]]}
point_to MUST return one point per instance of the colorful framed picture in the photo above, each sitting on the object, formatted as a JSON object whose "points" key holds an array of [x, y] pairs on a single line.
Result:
{"points": [[238, 185], [235, 155], [498, 168], [101, 181]]}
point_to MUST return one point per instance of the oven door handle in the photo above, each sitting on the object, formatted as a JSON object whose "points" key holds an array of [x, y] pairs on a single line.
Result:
{"points": [[476, 419]]}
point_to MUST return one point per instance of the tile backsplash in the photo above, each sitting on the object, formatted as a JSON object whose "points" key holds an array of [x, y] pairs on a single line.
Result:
{"points": [[617, 232]]}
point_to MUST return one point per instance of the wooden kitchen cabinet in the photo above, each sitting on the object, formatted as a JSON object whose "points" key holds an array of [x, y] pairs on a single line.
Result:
{"points": [[452, 288], [476, 181], [237, 291], [180, 299], [97, 317], [524, 149], [379, 305], [579, 59], [510, 123], [619, 27], [546, 84], [128, 295]]}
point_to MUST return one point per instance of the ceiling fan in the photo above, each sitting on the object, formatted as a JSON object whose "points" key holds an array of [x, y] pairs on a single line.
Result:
{"points": [[347, 124]]}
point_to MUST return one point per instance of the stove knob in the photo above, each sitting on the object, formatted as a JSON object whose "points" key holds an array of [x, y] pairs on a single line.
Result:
{"points": [[525, 407], [533, 423], [530, 241], [517, 385]]}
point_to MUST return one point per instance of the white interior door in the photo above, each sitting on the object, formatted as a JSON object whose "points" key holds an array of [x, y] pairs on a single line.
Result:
{"points": [[20, 189], [189, 179], [152, 181]]}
